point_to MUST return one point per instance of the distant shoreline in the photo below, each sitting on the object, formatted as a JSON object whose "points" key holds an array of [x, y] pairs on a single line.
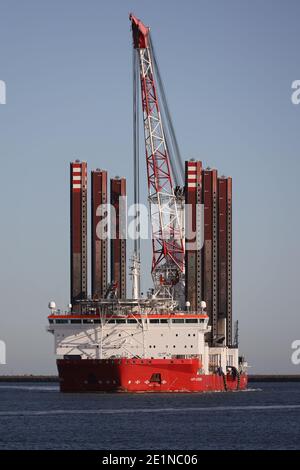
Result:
{"points": [[54, 378]]}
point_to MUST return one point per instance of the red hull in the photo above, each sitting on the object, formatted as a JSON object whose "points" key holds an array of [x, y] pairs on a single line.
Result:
{"points": [[142, 375]]}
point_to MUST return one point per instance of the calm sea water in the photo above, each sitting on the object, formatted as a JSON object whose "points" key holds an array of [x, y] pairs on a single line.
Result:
{"points": [[38, 416]]}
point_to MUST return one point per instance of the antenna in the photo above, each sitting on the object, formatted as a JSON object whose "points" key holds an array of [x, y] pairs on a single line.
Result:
{"points": [[236, 334]]}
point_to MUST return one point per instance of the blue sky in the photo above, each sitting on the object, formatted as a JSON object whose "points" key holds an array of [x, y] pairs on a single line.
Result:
{"points": [[227, 67]]}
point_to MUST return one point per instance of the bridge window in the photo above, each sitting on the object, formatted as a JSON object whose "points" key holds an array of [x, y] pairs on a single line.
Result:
{"points": [[76, 321], [163, 320], [120, 321], [178, 320], [156, 320], [131, 321], [191, 320], [62, 321]]}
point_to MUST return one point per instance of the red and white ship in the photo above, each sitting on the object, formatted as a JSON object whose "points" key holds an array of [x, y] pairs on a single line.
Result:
{"points": [[179, 337], [133, 347]]}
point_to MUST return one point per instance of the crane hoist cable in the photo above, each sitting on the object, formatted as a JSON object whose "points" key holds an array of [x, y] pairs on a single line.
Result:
{"points": [[174, 151], [136, 144]]}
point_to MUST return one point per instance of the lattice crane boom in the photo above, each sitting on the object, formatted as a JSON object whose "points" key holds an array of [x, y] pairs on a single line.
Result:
{"points": [[167, 232]]}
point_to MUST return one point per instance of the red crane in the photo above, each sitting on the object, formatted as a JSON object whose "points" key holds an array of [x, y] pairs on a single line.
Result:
{"points": [[167, 228]]}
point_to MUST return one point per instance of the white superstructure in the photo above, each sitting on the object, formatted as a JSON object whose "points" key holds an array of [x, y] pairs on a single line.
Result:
{"points": [[136, 336]]}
